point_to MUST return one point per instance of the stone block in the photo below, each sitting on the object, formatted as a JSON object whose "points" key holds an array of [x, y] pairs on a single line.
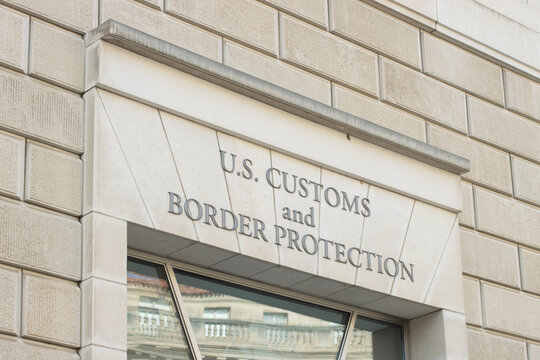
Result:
{"points": [[314, 11], [530, 270], [462, 69], [104, 314], [54, 179], [379, 113], [487, 346], [420, 94], [492, 124], [57, 56], [10, 300], [12, 348], [12, 160], [104, 248], [473, 302], [328, 55], [489, 258], [14, 28], [375, 29], [507, 218], [526, 180], [522, 95], [277, 72], [489, 166], [41, 111], [94, 352], [51, 310], [165, 27], [38, 239], [439, 335], [229, 18], [80, 16], [466, 216], [511, 312]]}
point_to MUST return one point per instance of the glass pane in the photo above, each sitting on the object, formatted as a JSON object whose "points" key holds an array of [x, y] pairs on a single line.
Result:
{"points": [[154, 328], [375, 340], [235, 322]]}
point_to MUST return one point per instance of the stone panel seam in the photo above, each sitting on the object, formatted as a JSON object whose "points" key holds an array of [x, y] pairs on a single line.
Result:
{"points": [[176, 167], [229, 197], [274, 200], [441, 256], [403, 244], [125, 158]]}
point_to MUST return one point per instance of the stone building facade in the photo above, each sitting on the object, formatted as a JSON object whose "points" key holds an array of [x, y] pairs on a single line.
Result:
{"points": [[384, 97]]}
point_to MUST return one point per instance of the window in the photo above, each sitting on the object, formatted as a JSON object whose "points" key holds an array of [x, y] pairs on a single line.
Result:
{"points": [[173, 313]]}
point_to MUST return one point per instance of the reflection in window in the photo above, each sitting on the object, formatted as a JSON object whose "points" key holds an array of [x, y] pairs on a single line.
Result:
{"points": [[375, 340], [154, 328], [257, 325]]}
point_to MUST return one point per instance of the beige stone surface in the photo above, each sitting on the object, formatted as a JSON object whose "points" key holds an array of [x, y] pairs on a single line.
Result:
{"points": [[508, 218], [534, 349], [12, 348], [37, 239], [277, 72], [341, 226], [462, 69], [466, 216], [161, 85], [526, 180], [106, 169], [311, 10], [61, 322], [522, 95], [104, 314], [56, 55], [54, 179], [145, 149], [78, 15], [41, 111], [498, 262], [228, 17], [242, 193], [14, 27], [379, 113], [165, 27], [418, 93], [530, 270], [511, 311], [445, 290], [488, 346], [12, 160], [489, 166], [382, 236], [158, 4], [204, 179], [428, 231], [504, 129], [373, 28], [473, 302], [94, 352], [438, 334], [104, 248], [10, 300], [328, 55], [289, 255]]}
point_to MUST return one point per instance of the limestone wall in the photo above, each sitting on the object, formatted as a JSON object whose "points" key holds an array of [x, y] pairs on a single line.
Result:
{"points": [[400, 68]]}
